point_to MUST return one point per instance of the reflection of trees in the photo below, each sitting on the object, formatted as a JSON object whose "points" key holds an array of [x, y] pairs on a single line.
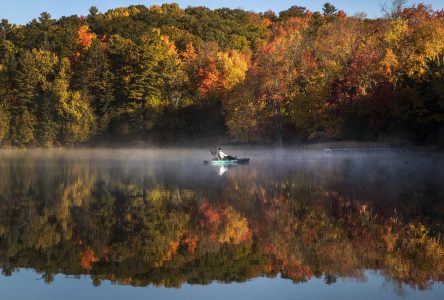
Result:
{"points": [[70, 218]]}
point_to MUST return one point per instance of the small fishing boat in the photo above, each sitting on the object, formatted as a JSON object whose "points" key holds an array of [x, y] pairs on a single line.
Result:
{"points": [[237, 161], [227, 160]]}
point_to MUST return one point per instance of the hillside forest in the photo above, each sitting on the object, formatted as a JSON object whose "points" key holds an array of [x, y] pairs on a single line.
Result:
{"points": [[166, 74]]}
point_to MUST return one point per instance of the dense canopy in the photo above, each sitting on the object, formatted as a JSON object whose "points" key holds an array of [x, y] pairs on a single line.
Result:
{"points": [[166, 74]]}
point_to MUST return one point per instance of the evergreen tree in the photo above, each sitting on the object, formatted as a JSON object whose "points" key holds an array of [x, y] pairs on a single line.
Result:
{"points": [[93, 76], [329, 10], [74, 113], [93, 11], [4, 122], [23, 128]]}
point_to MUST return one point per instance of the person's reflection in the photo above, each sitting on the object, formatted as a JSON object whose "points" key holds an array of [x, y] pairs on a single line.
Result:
{"points": [[222, 170]]}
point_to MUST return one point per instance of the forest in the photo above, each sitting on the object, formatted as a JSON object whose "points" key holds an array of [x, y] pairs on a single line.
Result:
{"points": [[170, 75]]}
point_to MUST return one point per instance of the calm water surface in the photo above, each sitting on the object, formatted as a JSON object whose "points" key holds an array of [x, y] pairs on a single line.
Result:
{"points": [[159, 224]]}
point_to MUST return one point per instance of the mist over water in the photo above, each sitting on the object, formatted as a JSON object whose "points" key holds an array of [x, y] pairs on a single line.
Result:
{"points": [[313, 220]]}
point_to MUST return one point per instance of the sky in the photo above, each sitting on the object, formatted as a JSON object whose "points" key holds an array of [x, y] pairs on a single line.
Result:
{"points": [[23, 11]]}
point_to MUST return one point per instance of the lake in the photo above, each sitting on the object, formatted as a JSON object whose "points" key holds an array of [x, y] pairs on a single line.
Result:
{"points": [[159, 224]]}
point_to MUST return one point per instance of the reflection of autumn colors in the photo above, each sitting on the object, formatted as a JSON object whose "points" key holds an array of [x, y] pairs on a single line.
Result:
{"points": [[139, 232], [224, 225], [87, 259]]}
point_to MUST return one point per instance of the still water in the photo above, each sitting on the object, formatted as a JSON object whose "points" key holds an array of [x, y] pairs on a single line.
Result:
{"points": [[159, 224]]}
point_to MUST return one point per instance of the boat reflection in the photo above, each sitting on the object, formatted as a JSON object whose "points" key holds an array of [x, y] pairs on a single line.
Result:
{"points": [[222, 170]]}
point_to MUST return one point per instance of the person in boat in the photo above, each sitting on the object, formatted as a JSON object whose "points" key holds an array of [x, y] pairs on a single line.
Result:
{"points": [[222, 156]]}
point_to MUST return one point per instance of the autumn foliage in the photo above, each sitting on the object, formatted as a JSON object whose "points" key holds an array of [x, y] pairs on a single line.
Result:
{"points": [[154, 73], [85, 37]]}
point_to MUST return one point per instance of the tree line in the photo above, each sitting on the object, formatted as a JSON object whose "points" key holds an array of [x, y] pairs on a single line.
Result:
{"points": [[167, 75]]}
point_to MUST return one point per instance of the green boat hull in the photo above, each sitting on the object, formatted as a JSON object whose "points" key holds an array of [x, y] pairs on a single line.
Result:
{"points": [[239, 161]]}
